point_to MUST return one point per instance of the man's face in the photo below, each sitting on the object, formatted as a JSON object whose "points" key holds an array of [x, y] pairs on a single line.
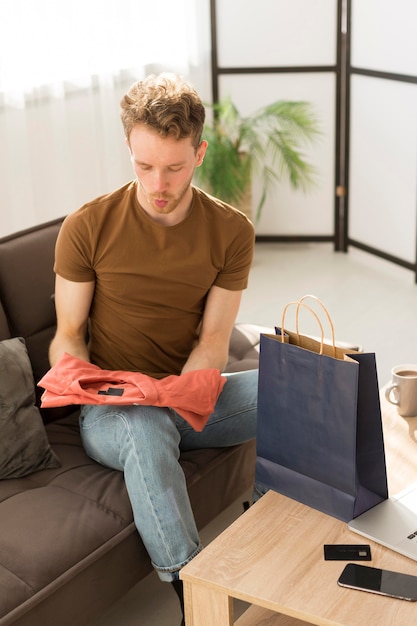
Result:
{"points": [[164, 167]]}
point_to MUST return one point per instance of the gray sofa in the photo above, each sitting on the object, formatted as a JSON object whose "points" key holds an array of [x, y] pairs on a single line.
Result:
{"points": [[68, 545]]}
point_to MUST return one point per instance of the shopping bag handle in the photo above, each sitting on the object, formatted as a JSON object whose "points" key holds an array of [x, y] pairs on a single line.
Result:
{"points": [[300, 303], [320, 303]]}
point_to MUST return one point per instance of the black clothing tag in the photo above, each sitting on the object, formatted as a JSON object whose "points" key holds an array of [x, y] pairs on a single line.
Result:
{"points": [[111, 391]]}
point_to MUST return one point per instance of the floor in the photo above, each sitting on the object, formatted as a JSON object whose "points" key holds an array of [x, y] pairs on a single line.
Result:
{"points": [[371, 302]]}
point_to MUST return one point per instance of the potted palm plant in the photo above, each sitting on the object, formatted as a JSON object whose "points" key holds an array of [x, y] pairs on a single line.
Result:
{"points": [[267, 145]]}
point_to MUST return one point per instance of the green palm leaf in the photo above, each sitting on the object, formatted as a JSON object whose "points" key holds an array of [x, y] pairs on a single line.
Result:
{"points": [[269, 144]]}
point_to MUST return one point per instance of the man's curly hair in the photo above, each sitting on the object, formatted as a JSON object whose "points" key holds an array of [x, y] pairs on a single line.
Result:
{"points": [[165, 103]]}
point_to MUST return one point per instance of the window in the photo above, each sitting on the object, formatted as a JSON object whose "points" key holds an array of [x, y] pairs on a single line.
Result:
{"points": [[46, 42]]}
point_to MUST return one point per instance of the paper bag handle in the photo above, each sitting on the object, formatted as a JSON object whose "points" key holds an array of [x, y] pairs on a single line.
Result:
{"points": [[320, 303], [300, 303]]}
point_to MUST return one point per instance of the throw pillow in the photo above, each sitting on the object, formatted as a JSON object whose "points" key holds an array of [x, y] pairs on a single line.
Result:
{"points": [[24, 446]]}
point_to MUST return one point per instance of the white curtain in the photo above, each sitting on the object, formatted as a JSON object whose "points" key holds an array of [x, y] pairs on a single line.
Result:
{"points": [[64, 67]]}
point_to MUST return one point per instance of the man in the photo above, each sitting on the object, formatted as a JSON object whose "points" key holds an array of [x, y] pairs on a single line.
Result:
{"points": [[153, 274]]}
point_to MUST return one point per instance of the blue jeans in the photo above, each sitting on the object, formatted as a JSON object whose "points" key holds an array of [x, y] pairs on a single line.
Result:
{"points": [[145, 443]]}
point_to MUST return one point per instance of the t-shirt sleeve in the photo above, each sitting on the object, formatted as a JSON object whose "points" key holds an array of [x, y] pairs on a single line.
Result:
{"points": [[73, 254], [238, 259]]}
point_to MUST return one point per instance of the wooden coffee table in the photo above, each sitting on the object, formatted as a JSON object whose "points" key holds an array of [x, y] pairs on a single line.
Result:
{"points": [[272, 558]]}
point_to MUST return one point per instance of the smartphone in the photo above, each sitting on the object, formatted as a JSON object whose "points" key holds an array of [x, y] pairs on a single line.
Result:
{"points": [[383, 582]]}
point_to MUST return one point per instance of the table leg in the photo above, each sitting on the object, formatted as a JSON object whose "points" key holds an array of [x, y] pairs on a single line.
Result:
{"points": [[207, 607]]}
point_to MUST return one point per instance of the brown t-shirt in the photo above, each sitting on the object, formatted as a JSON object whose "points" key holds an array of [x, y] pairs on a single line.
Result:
{"points": [[151, 280]]}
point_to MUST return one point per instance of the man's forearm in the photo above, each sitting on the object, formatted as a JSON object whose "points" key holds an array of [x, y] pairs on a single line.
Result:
{"points": [[75, 346], [207, 355]]}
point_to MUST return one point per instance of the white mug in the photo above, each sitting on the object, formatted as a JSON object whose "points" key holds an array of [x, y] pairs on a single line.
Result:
{"points": [[402, 391]]}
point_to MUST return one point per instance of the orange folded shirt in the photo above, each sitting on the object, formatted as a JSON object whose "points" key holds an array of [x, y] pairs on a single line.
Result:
{"points": [[193, 395]]}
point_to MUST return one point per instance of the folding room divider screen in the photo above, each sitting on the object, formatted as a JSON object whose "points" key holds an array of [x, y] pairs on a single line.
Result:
{"points": [[356, 62]]}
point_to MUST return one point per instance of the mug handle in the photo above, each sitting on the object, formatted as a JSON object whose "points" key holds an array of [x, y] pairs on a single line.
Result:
{"points": [[388, 394]]}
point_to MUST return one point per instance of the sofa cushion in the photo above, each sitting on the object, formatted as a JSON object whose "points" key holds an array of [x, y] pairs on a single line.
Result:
{"points": [[244, 347], [24, 447]]}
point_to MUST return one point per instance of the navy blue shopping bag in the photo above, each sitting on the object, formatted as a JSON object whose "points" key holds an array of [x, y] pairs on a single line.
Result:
{"points": [[319, 432]]}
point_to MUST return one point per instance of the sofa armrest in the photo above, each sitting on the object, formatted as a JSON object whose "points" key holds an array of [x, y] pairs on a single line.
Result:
{"points": [[244, 347]]}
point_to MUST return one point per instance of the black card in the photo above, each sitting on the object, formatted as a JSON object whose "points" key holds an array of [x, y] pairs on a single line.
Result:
{"points": [[349, 552]]}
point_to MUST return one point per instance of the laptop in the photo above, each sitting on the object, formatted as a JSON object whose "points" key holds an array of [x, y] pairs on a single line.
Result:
{"points": [[392, 523]]}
